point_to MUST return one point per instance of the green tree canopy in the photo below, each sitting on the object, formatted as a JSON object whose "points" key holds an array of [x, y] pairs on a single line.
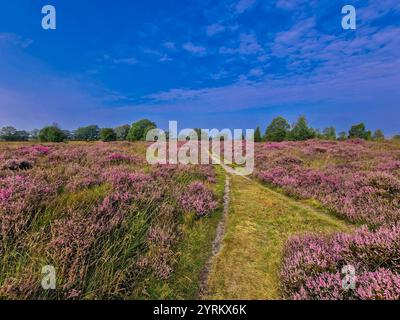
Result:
{"points": [[257, 135], [51, 134], [359, 131], [277, 130], [107, 135], [378, 135], [89, 133], [329, 133], [301, 131], [122, 132], [139, 129], [8, 133], [342, 136], [11, 134]]}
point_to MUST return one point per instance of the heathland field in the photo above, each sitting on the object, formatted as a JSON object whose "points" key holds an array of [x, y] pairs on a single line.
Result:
{"points": [[114, 227]]}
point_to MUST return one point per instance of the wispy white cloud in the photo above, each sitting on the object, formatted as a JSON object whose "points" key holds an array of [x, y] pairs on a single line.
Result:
{"points": [[129, 61], [165, 58], [256, 72], [14, 40], [248, 45], [197, 50], [350, 87], [291, 4], [377, 9], [214, 29], [244, 5]]}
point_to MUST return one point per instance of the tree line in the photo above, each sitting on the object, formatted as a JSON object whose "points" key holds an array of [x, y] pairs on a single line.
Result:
{"points": [[53, 133], [278, 130]]}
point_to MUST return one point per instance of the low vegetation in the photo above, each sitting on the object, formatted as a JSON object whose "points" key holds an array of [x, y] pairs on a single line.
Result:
{"points": [[115, 227], [356, 180], [260, 222], [104, 219]]}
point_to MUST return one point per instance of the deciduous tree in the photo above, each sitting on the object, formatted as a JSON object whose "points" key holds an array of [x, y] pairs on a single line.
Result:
{"points": [[277, 130], [107, 135], [51, 134], [139, 129]]}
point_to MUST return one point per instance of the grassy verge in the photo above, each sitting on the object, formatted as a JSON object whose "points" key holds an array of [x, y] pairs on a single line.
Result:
{"points": [[191, 255], [259, 223], [25, 259]]}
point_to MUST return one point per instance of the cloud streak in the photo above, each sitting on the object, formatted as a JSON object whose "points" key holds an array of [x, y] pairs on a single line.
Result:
{"points": [[197, 50], [244, 5]]}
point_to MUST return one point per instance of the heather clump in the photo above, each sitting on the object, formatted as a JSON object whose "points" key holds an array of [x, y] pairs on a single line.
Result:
{"points": [[288, 161], [33, 151], [198, 198], [21, 198], [140, 186], [312, 265], [72, 154], [40, 150], [158, 258], [389, 165], [81, 177], [74, 237], [119, 158]]}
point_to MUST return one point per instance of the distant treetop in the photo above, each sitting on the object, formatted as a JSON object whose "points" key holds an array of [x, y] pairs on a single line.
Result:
{"points": [[278, 130], [139, 129]]}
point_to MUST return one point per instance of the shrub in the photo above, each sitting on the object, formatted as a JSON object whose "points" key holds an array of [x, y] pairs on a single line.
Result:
{"points": [[122, 132], [107, 135], [329, 133], [89, 133], [378, 135], [312, 265], [358, 131], [119, 158], [20, 199], [342, 136], [51, 134], [197, 198], [139, 129]]}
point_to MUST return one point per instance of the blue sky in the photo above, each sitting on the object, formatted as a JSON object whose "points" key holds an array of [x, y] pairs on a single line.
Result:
{"points": [[205, 63]]}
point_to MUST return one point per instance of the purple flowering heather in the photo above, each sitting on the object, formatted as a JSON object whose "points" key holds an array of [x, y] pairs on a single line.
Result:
{"points": [[198, 198], [312, 264], [20, 199], [354, 178], [119, 158]]}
